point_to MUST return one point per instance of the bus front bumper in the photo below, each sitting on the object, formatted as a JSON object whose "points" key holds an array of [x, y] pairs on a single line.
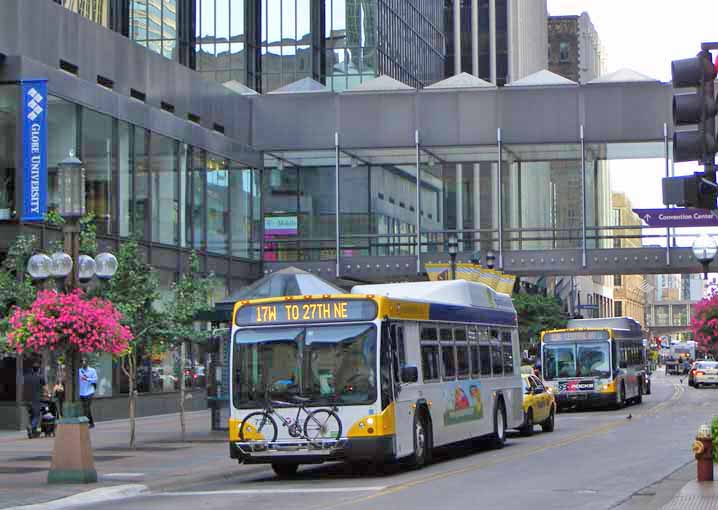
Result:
{"points": [[299, 452], [584, 399]]}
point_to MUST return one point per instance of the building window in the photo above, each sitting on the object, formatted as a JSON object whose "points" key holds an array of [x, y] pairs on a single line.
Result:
{"points": [[97, 160], [563, 51], [217, 204], [618, 308], [165, 213], [618, 280], [153, 24]]}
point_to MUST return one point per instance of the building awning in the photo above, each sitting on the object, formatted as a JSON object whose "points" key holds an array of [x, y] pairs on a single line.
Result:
{"points": [[286, 282]]}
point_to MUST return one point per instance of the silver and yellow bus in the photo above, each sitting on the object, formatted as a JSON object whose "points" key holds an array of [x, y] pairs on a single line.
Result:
{"points": [[595, 362], [387, 372]]}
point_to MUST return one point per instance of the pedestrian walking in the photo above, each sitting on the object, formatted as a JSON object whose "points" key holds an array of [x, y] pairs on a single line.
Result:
{"points": [[37, 387], [58, 394], [88, 383]]}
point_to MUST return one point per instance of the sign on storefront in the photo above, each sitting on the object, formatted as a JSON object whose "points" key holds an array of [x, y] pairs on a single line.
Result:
{"points": [[34, 143]]}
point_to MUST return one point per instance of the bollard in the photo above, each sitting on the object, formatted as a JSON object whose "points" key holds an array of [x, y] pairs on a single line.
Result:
{"points": [[703, 451]]}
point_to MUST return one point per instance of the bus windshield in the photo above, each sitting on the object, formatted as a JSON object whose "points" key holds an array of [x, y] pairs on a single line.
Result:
{"points": [[576, 359], [326, 364]]}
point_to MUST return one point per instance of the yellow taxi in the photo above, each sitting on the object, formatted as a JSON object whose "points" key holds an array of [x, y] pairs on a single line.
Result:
{"points": [[539, 405]]}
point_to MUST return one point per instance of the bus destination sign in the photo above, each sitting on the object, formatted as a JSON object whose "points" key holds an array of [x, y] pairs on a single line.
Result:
{"points": [[296, 311], [576, 335]]}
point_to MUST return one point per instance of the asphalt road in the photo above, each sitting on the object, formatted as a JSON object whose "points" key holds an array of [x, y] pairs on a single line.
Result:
{"points": [[593, 460]]}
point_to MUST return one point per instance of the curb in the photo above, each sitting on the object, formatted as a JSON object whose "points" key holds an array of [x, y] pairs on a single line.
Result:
{"points": [[94, 496]]}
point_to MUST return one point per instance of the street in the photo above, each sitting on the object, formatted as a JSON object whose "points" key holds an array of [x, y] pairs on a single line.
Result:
{"points": [[594, 460]]}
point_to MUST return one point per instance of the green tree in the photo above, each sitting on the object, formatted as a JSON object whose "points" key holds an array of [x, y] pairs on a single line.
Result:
{"points": [[16, 288], [190, 296], [134, 291], [537, 313]]}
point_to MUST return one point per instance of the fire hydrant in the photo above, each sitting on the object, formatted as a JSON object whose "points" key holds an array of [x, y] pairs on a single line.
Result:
{"points": [[703, 451]]}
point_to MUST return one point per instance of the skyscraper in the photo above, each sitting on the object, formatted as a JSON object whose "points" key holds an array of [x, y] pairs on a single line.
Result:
{"points": [[510, 40]]}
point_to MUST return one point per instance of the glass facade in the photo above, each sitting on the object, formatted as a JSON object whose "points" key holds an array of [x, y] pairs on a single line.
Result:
{"points": [[411, 45], [285, 42], [266, 44], [220, 44], [142, 184], [154, 24]]}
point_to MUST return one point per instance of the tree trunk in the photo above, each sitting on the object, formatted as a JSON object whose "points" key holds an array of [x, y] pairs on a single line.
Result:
{"points": [[130, 371], [183, 356]]}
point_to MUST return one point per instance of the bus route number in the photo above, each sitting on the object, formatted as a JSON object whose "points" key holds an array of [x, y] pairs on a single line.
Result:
{"points": [[303, 312], [308, 311]]}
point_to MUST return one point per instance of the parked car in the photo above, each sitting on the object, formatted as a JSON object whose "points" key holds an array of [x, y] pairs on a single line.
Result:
{"points": [[692, 374], [706, 372], [539, 406]]}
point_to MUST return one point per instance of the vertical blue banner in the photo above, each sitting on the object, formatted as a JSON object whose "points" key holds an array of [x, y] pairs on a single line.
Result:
{"points": [[34, 146]]}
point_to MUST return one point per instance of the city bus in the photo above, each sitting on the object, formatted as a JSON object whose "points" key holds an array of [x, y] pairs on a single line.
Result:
{"points": [[387, 372], [595, 362]]}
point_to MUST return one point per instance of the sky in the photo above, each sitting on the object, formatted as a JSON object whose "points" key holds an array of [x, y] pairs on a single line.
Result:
{"points": [[646, 35]]}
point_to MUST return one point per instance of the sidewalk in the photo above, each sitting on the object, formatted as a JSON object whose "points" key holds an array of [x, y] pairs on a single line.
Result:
{"points": [[695, 495], [160, 460]]}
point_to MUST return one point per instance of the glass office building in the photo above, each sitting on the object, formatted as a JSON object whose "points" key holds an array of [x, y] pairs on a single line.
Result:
{"points": [[266, 44]]}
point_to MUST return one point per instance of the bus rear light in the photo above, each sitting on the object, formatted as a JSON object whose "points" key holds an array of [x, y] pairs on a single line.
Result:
{"points": [[699, 373]]}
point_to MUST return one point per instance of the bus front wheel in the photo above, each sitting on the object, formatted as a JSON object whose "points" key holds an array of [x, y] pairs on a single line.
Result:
{"points": [[422, 441], [621, 396]]}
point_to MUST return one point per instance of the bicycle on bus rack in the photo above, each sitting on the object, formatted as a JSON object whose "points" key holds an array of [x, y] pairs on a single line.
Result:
{"points": [[320, 425]]}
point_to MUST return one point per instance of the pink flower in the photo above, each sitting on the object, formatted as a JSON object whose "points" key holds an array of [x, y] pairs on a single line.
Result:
{"points": [[59, 321]]}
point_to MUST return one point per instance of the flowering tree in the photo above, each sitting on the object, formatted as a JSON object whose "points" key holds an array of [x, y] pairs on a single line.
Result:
{"points": [[71, 323], [704, 323]]}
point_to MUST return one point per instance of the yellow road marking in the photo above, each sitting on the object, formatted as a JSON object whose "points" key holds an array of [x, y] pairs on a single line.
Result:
{"points": [[677, 393]]}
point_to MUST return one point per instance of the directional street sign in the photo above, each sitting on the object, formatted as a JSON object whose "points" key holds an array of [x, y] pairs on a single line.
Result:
{"points": [[676, 218]]}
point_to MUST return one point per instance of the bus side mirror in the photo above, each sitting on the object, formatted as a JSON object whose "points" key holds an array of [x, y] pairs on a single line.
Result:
{"points": [[409, 374]]}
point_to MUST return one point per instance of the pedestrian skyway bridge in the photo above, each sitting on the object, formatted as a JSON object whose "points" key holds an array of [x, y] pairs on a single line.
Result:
{"points": [[522, 170]]}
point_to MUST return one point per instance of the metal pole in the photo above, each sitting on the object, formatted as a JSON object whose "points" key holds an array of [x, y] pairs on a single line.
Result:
{"points": [[583, 200], [457, 36], [475, 37], [492, 40], [453, 266], [499, 201], [418, 202], [668, 172], [336, 200]]}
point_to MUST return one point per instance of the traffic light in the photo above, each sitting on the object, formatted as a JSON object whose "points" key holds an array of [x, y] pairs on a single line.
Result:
{"points": [[698, 108], [696, 144]]}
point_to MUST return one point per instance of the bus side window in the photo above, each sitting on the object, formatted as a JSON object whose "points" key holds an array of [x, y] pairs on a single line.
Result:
{"points": [[484, 353], [463, 366], [508, 352], [430, 362], [497, 362], [474, 351]]}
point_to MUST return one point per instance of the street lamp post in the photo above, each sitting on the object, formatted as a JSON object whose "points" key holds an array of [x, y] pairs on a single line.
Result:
{"points": [[490, 259], [453, 245], [72, 454], [704, 250]]}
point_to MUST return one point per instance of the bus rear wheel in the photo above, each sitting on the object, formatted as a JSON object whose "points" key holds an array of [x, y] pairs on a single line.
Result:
{"points": [[285, 470], [498, 439]]}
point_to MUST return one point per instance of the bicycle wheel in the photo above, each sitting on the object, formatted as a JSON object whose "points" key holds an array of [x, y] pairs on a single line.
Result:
{"points": [[258, 426], [323, 424]]}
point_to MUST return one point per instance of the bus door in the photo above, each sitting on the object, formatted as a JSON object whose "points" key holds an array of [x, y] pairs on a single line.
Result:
{"points": [[404, 400]]}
